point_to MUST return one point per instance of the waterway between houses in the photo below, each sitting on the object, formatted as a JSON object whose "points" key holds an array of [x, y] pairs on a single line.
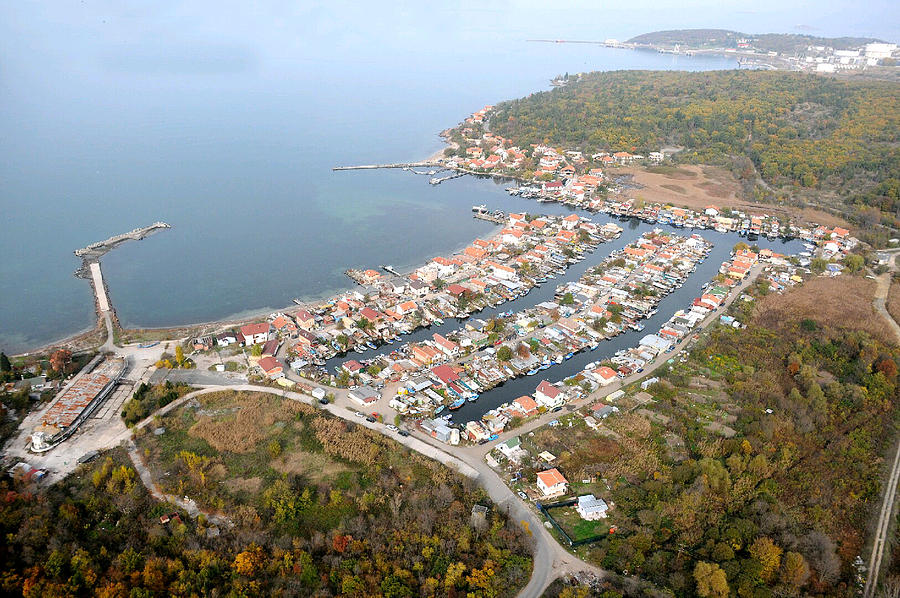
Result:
{"points": [[681, 298]]}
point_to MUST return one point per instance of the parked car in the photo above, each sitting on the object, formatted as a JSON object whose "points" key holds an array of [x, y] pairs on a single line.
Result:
{"points": [[323, 401], [370, 419], [358, 414], [522, 495], [403, 433], [392, 427]]}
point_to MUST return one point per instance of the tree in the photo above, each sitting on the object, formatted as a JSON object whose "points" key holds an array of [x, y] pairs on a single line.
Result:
{"points": [[567, 299], [504, 353], [59, 360], [794, 569], [768, 554], [711, 580], [5, 365], [179, 355], [255, 350], [854, 262]]}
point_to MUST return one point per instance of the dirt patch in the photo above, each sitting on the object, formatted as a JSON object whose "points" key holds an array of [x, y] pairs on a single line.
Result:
{"points": [[675, 188], [673, 172], [251, 486], [893, 300], [316, 467], [840, 303]]}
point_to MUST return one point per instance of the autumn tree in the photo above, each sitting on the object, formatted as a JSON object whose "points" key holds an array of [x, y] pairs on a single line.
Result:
{"points": [[179, 355], [768, 555], [711, 580]]}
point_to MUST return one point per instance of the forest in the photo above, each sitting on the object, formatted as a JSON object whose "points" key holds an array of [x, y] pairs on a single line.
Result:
{"points": [[317, 506], [756, 470], [786, 43], [812, 139]]}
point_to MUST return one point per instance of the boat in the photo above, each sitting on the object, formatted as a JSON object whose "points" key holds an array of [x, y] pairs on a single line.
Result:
{"points": [[481, 208], [440, 409], [473, 397], [457, 404], [532, 372], [569, 355], [439, 321], [371, 345]]}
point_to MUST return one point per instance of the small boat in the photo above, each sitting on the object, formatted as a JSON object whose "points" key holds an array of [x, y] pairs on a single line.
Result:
{"points": [[594, 346], [439, 321], [473, 397], [543, 366], [440, 409], [371, 345], [532, 372], [457, 404], [569, 355]]}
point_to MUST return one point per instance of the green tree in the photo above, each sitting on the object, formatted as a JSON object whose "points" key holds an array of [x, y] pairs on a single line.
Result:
{"points": [[5, 365], [768, 555], [567, 299], [504, 353]]}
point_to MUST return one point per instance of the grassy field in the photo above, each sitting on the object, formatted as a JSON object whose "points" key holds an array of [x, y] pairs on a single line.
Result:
{"points": [[578, 528]]}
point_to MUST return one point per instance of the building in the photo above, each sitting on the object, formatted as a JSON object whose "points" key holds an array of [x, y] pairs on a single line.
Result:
{"points": [[255, 334], [364, 395], [270, 367], [548, 395], [552, 483], [591, 508], [604, 375]]}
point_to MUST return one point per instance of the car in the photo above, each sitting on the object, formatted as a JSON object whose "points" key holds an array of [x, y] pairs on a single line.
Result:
{"points": [[323, 401], [522, 495], [403, 433], [392, 427], [555, 409], [358, 414], [370, 419]]}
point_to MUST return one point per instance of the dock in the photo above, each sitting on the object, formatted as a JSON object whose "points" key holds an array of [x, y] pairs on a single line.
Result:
{"points": [[398, 165], [391, 270], [439, 180]]}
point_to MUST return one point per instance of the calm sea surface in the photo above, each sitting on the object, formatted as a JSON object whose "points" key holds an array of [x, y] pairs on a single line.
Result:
{"points": [[228, 130]]}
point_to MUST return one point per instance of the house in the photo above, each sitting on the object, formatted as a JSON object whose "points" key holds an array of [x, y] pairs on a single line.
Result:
{"points": [[425, 353], [591, 508], [601, 411], [446, 346], [270, 366], [512, 449], [526, 405], [604, 375], [284, 325], [224, 339], [255, 334], [364, 395], [548, 395], [445, 374], [270, 348], [352, 367], [571, 221], [202, 343], [305, 319], [552, 483]]}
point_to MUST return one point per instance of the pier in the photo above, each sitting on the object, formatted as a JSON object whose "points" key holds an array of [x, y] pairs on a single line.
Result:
{"points": [[96, 250], [489, 217], [439, 180], [398, 165]]}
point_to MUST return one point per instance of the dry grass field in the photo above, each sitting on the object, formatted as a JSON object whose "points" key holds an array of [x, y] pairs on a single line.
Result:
{"points": [[696, 187], [841, 303]]}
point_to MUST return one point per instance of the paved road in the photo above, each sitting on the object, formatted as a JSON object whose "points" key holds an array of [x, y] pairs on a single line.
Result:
{"points": [[885, 518], [551, 560]]}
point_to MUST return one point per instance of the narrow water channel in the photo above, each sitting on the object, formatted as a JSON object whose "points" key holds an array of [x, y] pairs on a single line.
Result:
{"points": [[681, 298]]}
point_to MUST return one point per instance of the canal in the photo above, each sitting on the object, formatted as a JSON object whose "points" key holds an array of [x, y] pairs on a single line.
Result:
{"points": [[722, 243]]}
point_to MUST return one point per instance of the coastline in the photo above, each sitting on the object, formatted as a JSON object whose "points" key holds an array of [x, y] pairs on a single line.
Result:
{"points": [[81, 340]]}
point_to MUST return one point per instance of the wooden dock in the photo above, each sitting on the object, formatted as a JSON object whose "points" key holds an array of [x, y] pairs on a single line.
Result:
{"points": [[398, 165]]}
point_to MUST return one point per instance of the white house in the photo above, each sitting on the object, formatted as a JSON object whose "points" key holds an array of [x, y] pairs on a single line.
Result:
{"points": [[548, 395], [591, 508], [552, 483], [604, 375], [255, 334]]}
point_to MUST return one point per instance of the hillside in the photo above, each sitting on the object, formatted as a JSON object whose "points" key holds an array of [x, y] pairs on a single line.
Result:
{"points": [[319, 506], [786, 43], [756, 464], [813, 140]]}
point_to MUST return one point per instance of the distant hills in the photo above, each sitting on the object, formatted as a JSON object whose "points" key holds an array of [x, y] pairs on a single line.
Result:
{"points": [[788, 43]]}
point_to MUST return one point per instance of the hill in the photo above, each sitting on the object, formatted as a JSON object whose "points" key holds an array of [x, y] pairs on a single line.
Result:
{"points": [[783, 43], [813, 140], [319, 507]]}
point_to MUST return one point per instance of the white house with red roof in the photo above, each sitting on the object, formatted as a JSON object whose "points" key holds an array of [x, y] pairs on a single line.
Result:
{"points": [[547, 395], [552, 483], [604, 375], [255, 334]]}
